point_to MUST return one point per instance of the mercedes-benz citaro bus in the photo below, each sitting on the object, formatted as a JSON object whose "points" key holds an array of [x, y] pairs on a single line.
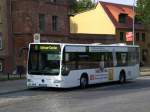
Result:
{"points": [[70, 65]]}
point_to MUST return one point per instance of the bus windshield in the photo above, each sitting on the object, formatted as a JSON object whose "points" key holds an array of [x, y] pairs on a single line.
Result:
{"points": [[44, 59]]}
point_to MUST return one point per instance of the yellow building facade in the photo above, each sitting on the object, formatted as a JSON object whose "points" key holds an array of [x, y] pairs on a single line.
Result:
{"points": [[94, 21]]}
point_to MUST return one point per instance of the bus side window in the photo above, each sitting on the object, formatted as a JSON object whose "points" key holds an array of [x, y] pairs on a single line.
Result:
{"points": [[69, 61], [108, 60], [122, 58], [66, 57], [102, 62]]}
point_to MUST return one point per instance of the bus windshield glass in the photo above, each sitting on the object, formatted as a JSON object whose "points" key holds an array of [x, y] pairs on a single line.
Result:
{"points": [[44, 59]]}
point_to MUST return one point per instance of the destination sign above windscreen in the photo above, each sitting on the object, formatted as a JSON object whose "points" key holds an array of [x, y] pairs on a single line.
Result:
{"points": [[46, 47], [49, 47]]}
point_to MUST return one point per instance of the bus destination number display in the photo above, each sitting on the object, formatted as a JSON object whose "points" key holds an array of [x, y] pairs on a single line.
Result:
{"points": [[47, 47]]}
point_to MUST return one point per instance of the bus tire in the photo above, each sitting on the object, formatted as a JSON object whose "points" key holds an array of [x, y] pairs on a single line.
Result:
{"points": [[122, 77], [83, 81]]}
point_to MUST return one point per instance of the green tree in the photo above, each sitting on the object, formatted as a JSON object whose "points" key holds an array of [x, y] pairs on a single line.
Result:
{"points": [[81, 5], [73, 6], [143, 11]]}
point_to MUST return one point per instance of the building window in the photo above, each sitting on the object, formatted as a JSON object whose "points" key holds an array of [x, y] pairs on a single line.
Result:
{"points": [[52, 0], [1, 67], [144, 55], [143, 37], [55, 23], [0, 15], [41, 22], [137, 36], [122, 18], [121, 36], [0, 41]]}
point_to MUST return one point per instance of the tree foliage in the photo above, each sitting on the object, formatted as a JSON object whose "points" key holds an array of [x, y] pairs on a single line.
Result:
{"points": [[80, 5], [143, 11]]}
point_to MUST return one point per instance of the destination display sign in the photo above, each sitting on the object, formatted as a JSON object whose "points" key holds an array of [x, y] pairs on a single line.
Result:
{"points": [[50, 47], [45, 47]]}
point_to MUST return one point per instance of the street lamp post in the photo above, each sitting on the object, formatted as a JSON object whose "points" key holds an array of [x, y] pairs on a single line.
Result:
{"points": [[133, 22]]}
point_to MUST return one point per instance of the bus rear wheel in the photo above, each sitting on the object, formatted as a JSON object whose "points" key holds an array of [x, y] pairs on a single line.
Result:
{"points": [[83, 82], [122, 77]]}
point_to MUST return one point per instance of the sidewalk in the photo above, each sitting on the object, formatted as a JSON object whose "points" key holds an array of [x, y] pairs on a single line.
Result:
{"points": [[145, 71], [12, 86]]}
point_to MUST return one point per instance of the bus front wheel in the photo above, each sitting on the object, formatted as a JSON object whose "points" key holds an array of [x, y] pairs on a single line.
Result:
{"points": [[83, 82]]}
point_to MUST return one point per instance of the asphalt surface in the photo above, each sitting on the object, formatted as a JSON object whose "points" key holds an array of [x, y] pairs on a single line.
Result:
{"points": [[134, 96], [12, 86]]}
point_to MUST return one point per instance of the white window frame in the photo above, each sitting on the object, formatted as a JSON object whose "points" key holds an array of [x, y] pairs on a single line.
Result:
{"points": [[53, 0], [0, 15], [1, 67], [1, 43]]}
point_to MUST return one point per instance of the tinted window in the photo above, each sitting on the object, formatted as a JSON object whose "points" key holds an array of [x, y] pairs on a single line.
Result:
{"points": [[121, 36], [44, 60], [41, 22], [74, 61], [121, 58], [122, 18]]}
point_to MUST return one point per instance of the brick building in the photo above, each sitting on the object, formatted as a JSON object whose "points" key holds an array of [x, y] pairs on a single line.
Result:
{"points": [[26, 17], [6, 51]]}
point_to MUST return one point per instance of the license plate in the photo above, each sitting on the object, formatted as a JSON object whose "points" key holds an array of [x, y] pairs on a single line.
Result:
{"points": [[43, 85]]}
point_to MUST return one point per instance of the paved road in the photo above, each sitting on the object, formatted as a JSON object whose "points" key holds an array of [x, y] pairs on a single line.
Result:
{"points": [[131, 97], [12, 86]]}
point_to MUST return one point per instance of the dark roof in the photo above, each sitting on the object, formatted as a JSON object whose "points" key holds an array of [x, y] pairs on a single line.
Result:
{"points": [[114, 10]]}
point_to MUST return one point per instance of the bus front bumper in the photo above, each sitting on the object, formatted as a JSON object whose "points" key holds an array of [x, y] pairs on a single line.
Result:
{"points": [[48, 83]]}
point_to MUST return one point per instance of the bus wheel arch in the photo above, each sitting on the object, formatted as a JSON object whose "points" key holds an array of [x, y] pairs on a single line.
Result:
{"points": [[122, 76], [84, 80]]}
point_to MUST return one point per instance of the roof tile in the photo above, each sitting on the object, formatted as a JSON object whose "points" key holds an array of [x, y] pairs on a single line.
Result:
{"points": [[114, 10]]}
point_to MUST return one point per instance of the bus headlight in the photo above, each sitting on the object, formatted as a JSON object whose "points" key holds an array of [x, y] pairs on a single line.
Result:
{"points": [[57, 81], [29, 80]]}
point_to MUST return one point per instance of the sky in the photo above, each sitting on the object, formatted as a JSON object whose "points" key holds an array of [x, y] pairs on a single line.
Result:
{"points": [[126, 2]]}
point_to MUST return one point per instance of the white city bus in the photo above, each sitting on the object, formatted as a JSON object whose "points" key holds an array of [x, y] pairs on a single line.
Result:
{"points": [[72, 65]]}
